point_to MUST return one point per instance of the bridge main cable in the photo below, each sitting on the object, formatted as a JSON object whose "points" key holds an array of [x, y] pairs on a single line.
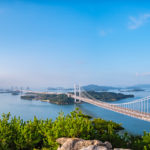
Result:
{"points": [[128, 108]]}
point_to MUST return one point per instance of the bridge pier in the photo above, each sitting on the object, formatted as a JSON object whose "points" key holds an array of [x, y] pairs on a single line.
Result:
{"points": [[77, 93]]}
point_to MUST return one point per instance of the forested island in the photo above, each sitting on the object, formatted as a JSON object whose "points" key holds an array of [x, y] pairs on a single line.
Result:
{"points": [[108, 96], [63, 99]]}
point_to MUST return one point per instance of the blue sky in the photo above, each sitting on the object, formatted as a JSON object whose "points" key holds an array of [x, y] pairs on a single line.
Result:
{"points": [[59, 43]]}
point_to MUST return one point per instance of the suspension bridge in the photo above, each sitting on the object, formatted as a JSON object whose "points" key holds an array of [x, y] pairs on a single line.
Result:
{"points": [[139, 108]]}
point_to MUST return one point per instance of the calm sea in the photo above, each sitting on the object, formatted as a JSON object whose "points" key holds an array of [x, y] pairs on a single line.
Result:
{"points": [[27, 109]]}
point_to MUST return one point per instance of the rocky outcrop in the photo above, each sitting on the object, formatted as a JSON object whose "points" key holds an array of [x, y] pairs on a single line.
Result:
{"points": [[121, 149], [80, 144]]}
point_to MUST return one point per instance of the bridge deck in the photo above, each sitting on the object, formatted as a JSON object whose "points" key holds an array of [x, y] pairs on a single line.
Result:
{"points": [[122, 110]]}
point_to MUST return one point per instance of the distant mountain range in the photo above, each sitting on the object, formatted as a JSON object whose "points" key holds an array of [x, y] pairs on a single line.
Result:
{"points": [[58, 88], [93, 87], [140, 86]]}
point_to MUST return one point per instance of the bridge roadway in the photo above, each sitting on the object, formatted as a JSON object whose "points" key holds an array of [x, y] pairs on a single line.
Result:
{"points": [[121, 110]]}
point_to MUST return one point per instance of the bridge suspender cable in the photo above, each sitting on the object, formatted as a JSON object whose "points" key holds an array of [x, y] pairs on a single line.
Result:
{"points": [[138, 108]]}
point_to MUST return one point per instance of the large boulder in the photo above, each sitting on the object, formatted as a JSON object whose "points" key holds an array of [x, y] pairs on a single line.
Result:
{"points": [[121, 149], [80, 144], [92, 147]]}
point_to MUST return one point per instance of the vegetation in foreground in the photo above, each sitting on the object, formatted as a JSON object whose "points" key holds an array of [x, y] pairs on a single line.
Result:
{"points": [[16, 134]]}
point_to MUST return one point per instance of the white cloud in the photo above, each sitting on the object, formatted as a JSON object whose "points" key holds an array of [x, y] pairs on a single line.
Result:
{"points": [[136, 22], [143, 74]]}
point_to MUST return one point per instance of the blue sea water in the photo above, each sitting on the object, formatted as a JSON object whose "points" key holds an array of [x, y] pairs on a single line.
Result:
{"points": [[27, 109]]}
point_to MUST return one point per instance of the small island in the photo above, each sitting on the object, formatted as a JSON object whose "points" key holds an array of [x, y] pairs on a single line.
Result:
{"points": [[109, 96], [63, 99], [133, 90], [136, 90], [60, 99]]}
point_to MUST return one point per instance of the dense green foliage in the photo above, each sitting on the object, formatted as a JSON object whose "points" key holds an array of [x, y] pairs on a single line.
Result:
{"points": [[108, 96], [61, 99], [16, 134], [28, 97]]}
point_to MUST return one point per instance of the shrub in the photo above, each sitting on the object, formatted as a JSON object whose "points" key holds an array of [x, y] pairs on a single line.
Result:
{"points": [[16, 134]]}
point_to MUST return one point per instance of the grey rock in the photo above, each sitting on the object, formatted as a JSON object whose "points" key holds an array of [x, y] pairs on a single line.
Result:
{"points": [[101, 148], [121, 149], [92, 147], [80, 144], [108, 145], [69, 144]]}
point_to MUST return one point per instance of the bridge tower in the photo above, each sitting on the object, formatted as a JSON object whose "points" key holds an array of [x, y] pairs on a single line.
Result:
{"points": [[77, 92]]}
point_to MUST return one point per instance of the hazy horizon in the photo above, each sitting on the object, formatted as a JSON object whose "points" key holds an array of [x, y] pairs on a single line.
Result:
{"points": [[50, 44]]}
